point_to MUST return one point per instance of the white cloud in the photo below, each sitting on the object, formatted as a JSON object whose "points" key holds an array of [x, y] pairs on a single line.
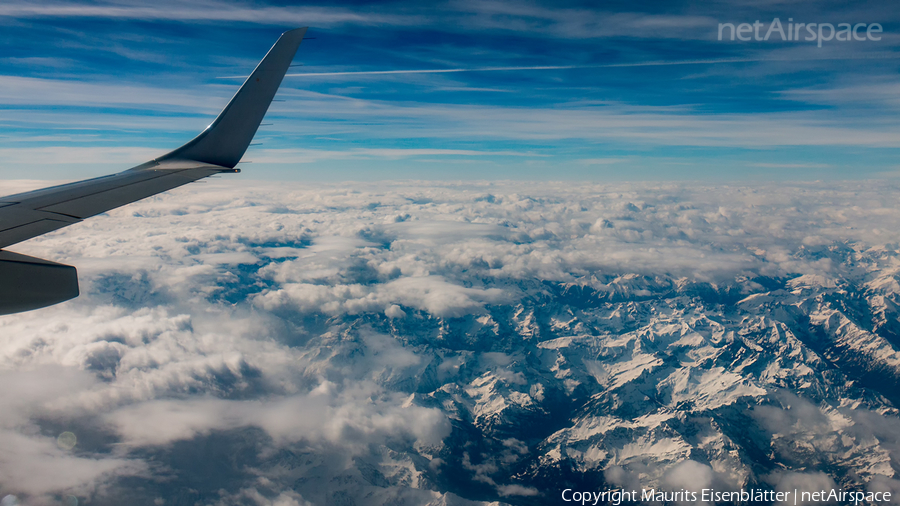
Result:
{"points": [[353, 328], [517, 490], [32, 462], [36, 466], [427, 293], [355, 419], [689, 475]]}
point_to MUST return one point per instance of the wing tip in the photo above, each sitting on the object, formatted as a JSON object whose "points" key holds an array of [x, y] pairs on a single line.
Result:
{"points": [[294, 32], [227, 138]]}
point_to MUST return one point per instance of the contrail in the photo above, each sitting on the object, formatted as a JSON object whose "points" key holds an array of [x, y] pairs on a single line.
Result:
{"points": [[569, 67], [500, 69]]}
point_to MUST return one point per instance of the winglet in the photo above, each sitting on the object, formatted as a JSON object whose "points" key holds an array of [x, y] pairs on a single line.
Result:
{"points": [[226, 139]]}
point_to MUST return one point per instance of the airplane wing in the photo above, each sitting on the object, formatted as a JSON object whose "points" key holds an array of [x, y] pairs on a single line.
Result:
{"points": [[29, 283]]}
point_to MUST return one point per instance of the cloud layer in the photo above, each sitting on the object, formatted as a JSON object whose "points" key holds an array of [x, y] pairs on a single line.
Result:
{"points": [[414, 342]]}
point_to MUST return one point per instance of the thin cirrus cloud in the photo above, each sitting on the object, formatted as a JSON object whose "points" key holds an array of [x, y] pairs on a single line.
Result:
{"points": [[503, 16], [19, 90], [211, 11], [619, 121], [311, 155], [791, 165], [875, 94], [384, 91], [584, 24], [533, 130]]}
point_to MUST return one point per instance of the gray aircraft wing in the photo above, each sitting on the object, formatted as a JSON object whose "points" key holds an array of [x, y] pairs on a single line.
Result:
{"points": [[30, 283]]}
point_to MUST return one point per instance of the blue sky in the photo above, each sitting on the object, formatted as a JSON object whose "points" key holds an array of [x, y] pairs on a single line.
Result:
{"points": [[88, 88]]}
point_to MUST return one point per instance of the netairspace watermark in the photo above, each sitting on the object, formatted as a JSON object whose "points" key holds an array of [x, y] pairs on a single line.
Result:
{"points": [[790, 31], [616, 497]]}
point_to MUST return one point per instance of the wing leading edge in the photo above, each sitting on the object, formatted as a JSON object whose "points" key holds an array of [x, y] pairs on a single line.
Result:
{"points": [[215, 150]]}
